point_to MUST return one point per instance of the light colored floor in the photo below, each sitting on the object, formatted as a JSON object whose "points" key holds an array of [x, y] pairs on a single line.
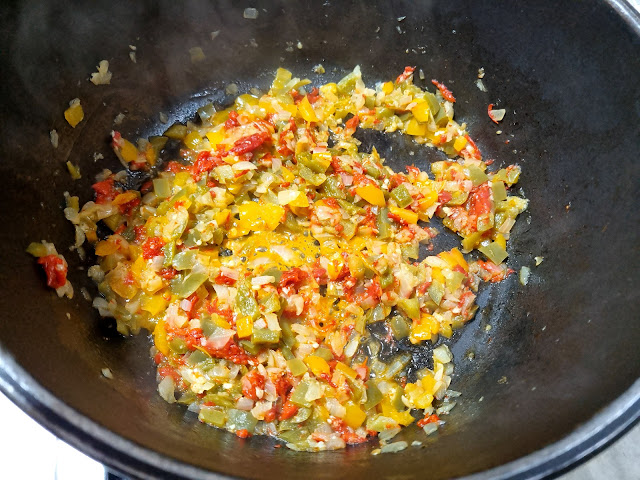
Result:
{"points": [[619, 461], [22, 438]]}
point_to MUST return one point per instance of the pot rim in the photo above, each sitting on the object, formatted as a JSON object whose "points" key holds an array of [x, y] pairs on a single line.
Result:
{"points": [[124, 455]]}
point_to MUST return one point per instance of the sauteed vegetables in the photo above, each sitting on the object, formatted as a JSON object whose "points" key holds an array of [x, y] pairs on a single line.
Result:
{"points": [[264, 254]]}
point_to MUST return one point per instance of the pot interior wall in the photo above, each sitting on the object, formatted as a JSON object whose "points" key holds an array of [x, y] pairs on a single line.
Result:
{"points": [[558, 350]]}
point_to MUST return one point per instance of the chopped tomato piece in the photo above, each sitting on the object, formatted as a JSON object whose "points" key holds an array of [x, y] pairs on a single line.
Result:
{"points": [[56, 269], [249, 143], [408, 71], [428, 419], [168, 273], [446, 93], [105, 191], [351, 125], [232, 121], [314, 95], [288, 410], [205, 162], [293, 277], [479, 202], [251, 382], [152, 248]]}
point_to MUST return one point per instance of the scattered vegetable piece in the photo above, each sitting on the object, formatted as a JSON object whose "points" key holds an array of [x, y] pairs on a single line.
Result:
{"points": [[74, 114]]}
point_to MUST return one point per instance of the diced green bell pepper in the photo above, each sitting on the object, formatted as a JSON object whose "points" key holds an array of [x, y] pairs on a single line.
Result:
{"points": [[246, 302], [410, 306], [402, 196]]}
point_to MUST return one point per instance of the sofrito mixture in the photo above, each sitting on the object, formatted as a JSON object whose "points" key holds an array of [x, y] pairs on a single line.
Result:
{"points": [[267, 249]]}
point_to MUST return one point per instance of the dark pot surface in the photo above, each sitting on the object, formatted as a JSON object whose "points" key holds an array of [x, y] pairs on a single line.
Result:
{"points": [[558, 370]]}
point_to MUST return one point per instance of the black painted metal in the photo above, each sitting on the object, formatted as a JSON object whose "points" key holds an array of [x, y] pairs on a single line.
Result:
{"points": [[568, 73]]}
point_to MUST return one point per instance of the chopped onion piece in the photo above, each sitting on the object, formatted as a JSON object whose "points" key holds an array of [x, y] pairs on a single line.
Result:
{"points": [[430, 428], [250, 13], [394, 447], [523, 276]]}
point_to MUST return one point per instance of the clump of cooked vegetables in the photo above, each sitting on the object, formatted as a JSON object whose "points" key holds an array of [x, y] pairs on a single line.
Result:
{"points": [[264, 254]]}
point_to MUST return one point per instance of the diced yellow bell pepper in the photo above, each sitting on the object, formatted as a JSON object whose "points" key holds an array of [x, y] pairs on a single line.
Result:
{"points": [[358, 244], [234, 188], [105, 248], [74, 171], [354, 417], [223, 216], [421, 112], [160, 338], [306, 110], [138, 266], [407, 215], [454, 257], [423, 328], [300, 201], [322, 410], [413, 127], [317, 365], [181, 178], [437, 276], [401, 417], [418, 396], [238, 230], [372, 194], [287, 175], [459, 143], [192, 140], [328, 88], [446, 330], [244, 326], [260, 217], [430, 194], [150, 155], [428, 383], [154, 305], [220, 321], [125, 197], [387, 87], [74, 114], [292, 108], [347, 370], [128, 151], [500, 240], [215, 137]]}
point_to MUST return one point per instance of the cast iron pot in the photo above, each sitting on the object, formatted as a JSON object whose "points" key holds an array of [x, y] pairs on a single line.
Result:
{"points": [[552, 381]]}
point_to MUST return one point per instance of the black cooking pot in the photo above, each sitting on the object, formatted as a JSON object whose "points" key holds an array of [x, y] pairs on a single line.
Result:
{"points": [[556, 376]]}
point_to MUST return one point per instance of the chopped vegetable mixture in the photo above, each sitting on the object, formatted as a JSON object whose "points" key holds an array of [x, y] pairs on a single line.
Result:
{"points": [[265, 252]]}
